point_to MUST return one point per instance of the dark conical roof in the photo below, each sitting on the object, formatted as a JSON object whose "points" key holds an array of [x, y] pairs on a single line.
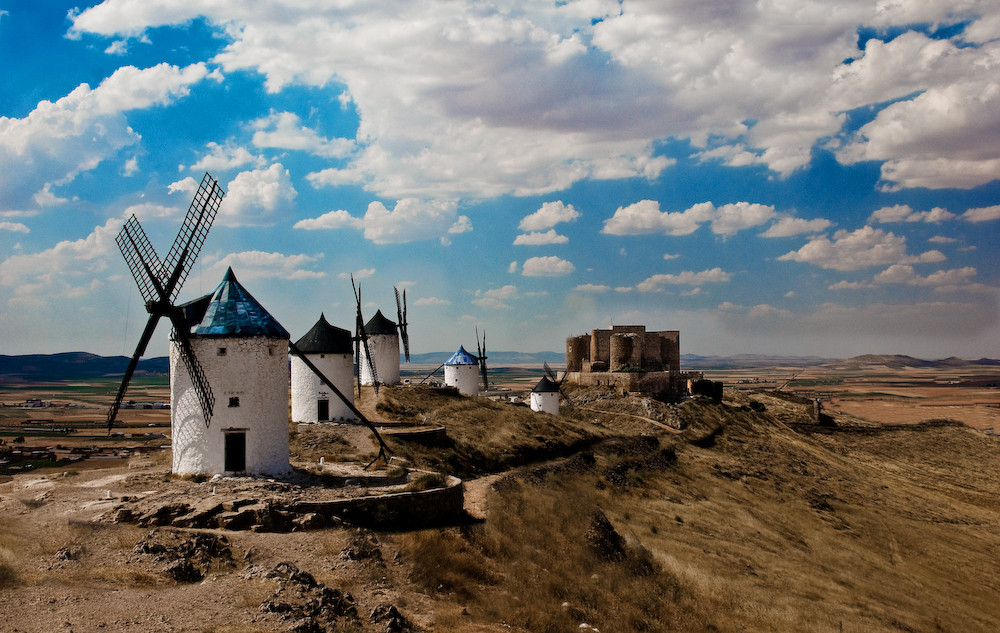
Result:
{"points": [[324, 338], [234, 312], [545, 385], [378, 324]]}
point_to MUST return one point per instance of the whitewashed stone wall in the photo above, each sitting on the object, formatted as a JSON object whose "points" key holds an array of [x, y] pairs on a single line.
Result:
{"points": [[385, 351], [545, 401], [308, 389], [252, 370], [464, 377]]}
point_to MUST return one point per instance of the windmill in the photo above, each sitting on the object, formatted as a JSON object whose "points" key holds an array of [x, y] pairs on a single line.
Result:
{"points": [[481, 350], [401, 322], [160, 282], [361, 341], [551, 375], [383, 447]]}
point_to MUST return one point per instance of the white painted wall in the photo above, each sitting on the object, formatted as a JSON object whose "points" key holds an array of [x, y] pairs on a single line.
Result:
{"points": [[385, 351], [545, 401], [464, 377], [308, 389], [255, 370]]}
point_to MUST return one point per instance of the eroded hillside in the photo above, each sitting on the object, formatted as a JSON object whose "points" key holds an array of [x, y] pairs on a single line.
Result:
{"points": [[623, 514]]}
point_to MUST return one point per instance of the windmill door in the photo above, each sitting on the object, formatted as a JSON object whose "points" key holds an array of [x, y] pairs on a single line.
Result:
{"points": [[323, 406], [236, 451]]}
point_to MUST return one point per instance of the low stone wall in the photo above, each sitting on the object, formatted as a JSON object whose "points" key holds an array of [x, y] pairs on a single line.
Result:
{"points": [[434, 436], [402, 510], [397, 511]]}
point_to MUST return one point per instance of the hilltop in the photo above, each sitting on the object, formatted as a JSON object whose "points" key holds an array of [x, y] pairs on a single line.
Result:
{"points": [[621, 514]]}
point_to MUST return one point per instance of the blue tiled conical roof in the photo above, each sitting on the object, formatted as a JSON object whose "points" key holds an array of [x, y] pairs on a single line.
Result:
{"points": [[462, 357], [234, 312]]}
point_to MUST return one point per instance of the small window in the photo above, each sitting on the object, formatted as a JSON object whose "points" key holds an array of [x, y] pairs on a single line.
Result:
{"points": [[234, 401], [222, 351], [270, 350]]}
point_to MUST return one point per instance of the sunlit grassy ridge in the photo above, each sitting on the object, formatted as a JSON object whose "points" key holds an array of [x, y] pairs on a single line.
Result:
{"points": [[761, 524]]}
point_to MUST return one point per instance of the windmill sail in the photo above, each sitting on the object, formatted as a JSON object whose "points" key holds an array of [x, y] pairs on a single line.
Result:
{"points": [[160, 282]]}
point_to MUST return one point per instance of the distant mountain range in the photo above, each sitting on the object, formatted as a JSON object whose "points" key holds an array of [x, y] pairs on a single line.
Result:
{"points": [[73, 366], [81, 365]]}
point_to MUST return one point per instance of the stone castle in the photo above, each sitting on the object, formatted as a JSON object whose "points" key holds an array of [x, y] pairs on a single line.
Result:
{"points": [[630, 358]]}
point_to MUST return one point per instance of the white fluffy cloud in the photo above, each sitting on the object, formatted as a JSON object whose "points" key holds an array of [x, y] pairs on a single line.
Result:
{"points": [[788, 226], [284, 130], [68, 269], [258, 197], [540, 239], [14, 227], [854, 250], [549, 266], [338, 219], [686, 278], [249, 265], [621, 76], [410, 220], [905, 213], [549, 215], [58, 140], [645, 217], [496, 298], [982, 214]]}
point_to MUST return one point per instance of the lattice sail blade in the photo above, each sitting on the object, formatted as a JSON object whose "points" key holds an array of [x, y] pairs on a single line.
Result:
{"points": [[206, 399], [140, 349], [141, 258], [191, 237]]}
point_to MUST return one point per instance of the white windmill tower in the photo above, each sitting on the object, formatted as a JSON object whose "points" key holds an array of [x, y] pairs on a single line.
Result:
{"points": [[243, 352], [331, 350], [462, 371], [545, 396], [383, 345]]}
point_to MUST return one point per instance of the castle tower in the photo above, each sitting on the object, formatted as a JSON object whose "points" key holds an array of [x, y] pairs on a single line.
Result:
{"points": [[383, 342], [545, 396], [462, 371], [243, 351], [330, 349]]}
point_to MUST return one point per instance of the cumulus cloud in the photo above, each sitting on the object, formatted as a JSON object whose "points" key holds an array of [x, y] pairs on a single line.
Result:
{"points": [[225, 157], [645, 217], [71, 268], [540, 239], [597, 288], [14, 227], [431, 301], [718, 74], [905, 274], [905, 213], [549, 266], [549, 215], [410, 220], [258, 197], [982, 214], [58, 140], [788, 226], [338, 219], [946, 137], [854, 250], [250, 265], [284, 130], [688, 278], [496, 298]]}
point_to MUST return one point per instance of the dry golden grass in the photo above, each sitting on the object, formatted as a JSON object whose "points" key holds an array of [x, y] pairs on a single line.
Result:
{"points": [[760, 526]]}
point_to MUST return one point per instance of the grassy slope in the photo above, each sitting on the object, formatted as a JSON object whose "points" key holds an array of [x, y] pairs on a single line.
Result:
{"points": [[764, 527]]}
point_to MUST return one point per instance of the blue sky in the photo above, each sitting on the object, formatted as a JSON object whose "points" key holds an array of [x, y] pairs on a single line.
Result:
{"points": [[791, 178]]}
